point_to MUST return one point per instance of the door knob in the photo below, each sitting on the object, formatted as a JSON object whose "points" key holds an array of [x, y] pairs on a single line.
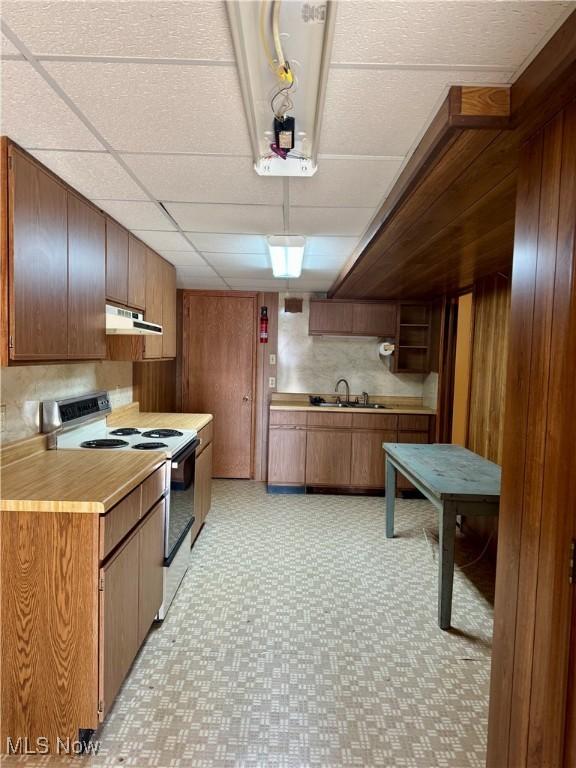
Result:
{"points": [[246, 398]]}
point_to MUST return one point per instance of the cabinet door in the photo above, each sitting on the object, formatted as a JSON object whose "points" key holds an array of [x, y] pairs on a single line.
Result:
{"points": [[137, 275], [151, 581], [328, 455], [367, 467], [330, 317], [169, 311], [38, 263], [86, 281], [154, 296], [116, 262], [118, 620], [402, 483], [287, 456], [378, 319], [203, 484]]}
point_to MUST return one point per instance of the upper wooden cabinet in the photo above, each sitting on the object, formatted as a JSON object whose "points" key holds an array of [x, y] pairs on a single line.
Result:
{"points": [[168, 310], [137, 274], [116, 263], [38, 262], [350, 318], [86, 281], [154, 299]]}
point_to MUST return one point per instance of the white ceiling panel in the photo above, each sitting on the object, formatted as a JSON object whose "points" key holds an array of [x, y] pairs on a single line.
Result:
{"points": [[183, 258], [237, 264], [137, 215], [205, 283], [185, 178], [229, 243], [34, 116], [197, 270], [350, 182], [330, 246], [95, 174], [142, 28], [247, 219], [6, 47], [329, 221], [147, 107], [369, 112], [323, 263], [253, 284], [303, 284], [163, 241], [440, 32]]}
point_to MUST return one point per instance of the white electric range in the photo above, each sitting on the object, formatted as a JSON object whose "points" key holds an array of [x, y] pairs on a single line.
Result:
{"points": [[79, 423]]}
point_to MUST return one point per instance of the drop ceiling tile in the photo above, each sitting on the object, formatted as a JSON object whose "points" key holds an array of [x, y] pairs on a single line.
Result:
{"points": [[442, 33], [95, 174], [190, 281], [330, 221], [6, 47], [147, 107], [143, 28], [137, 215], [167, 241], [197, 270], [34, 116], [249, 219], [182, 258], [228, 243], [323, 263], [303, 284], [330, 246], [236, 264], [253, 284], [206, 179], [346, 182], [369, 112]]}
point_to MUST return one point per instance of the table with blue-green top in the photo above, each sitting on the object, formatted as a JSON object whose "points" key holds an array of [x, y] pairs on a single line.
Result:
{"points": [[458, 482]]}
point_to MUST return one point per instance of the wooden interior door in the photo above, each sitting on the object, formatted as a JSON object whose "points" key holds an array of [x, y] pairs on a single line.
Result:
{"points": [[218, 373]]}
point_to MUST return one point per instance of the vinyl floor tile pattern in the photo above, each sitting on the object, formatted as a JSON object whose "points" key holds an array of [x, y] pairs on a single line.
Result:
{"points": [[303, 638]]}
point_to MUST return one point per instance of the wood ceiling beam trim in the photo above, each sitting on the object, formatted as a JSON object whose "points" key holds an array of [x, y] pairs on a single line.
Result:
{"points": [[463, 108]]}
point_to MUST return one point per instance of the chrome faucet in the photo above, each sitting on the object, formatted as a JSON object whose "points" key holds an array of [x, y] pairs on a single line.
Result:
{"points": [[347, 389], [365, 397]]}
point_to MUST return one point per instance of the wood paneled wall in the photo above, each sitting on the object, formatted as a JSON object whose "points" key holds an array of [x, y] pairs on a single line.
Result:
{"points": [[534, 598], [489, 359], [154, 384]]}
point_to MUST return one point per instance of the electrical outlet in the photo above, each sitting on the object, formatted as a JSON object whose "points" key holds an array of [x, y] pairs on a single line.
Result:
{"points": [[272, 359], [272, 382], [2, 417]]}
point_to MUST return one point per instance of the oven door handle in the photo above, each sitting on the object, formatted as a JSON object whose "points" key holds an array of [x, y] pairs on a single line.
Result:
{"points": [[185, 453]]}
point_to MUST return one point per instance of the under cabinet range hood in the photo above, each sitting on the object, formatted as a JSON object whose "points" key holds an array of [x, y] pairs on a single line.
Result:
{"points": [[125, 322]]}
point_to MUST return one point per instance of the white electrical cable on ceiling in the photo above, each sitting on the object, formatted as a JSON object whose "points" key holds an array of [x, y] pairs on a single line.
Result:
{"points": [[276, 33]]}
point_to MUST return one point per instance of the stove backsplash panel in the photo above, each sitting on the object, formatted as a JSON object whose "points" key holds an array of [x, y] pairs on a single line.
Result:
{"points": [[22, 389]]}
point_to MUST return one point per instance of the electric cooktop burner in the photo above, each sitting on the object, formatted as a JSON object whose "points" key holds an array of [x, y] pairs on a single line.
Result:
{"points": [[149, 446], [103, 444], [156, 433], [125, 431]]}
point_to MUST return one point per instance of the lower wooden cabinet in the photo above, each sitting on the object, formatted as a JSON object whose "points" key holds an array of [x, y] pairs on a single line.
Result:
{"points": [[328, 456], [367, 465], [150, 569], [287, 456], [338, 450]]}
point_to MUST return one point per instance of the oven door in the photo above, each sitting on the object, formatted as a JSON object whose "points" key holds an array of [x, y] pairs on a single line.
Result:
{"points": [[180, 514]]}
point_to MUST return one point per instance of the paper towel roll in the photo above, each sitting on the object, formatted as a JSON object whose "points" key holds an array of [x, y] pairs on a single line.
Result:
{"points": [[385, 349]]}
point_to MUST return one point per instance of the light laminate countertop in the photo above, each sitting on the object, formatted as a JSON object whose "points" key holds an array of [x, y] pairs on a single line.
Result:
{"points": [[127, 417]]}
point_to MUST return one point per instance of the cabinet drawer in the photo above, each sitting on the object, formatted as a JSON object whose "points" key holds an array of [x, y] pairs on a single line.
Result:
{"points": [[330, 420], [153, 488], [119, 521], [205, 436], [381, 421], [413, 421], [288, 418]]}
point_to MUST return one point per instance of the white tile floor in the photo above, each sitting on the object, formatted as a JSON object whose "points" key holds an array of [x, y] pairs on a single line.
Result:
{"points": [[302, 637]]}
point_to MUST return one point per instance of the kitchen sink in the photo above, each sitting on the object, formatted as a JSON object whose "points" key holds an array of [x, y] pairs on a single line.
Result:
{"points": [[375, 406]]}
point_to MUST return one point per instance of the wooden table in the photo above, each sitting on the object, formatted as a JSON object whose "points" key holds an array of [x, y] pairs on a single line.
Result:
{"points": [[457, 482]]}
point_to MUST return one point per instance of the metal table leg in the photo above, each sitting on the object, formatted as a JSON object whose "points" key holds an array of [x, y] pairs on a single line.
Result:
{"points": [[390, 498]]}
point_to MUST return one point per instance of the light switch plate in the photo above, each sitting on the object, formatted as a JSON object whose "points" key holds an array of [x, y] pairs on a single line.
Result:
{"points": [[272, 359], [272, 382]]}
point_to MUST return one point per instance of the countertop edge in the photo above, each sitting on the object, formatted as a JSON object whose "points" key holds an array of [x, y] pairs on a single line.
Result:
{"points": [[336, 409]]}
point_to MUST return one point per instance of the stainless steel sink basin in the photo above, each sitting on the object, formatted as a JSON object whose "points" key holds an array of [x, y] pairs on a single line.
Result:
{"points": [[375, 406]]}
